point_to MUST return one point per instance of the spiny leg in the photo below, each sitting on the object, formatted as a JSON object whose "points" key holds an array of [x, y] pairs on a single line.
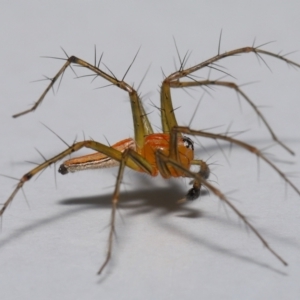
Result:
{"points": [[173, 80], [168, 118], [242, 144], [128, 154], [234, 86], [115, 201], [163, 159], [142, 126], [184, 73], [142, 165]]}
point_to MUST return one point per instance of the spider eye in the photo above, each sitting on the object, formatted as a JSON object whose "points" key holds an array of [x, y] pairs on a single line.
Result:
{"points": [[188, 143]]}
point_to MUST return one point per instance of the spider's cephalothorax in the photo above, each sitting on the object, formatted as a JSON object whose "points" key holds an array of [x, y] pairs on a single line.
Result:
{"points": [[169, 153]]}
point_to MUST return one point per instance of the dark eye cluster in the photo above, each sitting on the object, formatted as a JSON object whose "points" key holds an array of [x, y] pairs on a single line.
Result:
{"points": [[188, 143]]}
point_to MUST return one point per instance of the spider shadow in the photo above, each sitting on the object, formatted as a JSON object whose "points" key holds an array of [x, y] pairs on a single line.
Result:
{"points": [[163, 201], [142, 201]]}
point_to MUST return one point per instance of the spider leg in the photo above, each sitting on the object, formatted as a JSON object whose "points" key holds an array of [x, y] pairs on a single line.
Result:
{"points": [[142, 126], [142, 165], [128, 154], [173, 80], [234, 86], [115, 201], [200, 180], [184, 73], [168, 118], [242, 144]]}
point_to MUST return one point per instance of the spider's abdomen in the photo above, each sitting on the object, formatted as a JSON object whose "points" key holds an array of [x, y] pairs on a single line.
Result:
{"points": [[161, 141]]}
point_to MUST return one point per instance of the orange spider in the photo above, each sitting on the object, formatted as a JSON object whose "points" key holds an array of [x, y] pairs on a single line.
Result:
{"points": [[170, 153]]}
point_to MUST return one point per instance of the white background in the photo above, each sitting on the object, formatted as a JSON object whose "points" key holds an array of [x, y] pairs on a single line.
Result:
{"points": [[53, 249]]}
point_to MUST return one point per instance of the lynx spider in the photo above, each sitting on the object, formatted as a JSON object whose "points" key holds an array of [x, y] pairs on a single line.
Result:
{"points": [[170, 153]]}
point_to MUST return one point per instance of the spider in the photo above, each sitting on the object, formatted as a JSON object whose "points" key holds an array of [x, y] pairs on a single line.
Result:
{"points": [[169, 153]]}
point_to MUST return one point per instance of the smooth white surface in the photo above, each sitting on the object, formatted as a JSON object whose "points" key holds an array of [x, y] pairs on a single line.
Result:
{"points": [[53, 249]]}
